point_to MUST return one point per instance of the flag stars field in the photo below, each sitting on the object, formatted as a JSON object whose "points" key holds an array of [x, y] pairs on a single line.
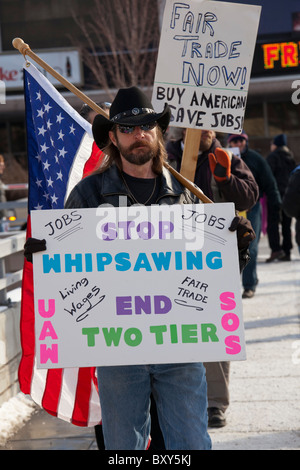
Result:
{"points": [[61, 135], [72, 130], [59, 175], [40, 113], [50, 182], [44, 148], [59, 118], [62, 152], [46, 165], [47, 107], [51, 154], [42, 131]]}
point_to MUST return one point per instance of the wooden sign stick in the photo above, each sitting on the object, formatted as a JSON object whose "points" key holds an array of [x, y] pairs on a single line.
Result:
{"points": [[189, 185], [20, 45], [190, 158], [190, 153], [24, 49]]}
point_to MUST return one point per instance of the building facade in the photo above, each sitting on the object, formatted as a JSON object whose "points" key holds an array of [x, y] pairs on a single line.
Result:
{"points": [[273, 104]]}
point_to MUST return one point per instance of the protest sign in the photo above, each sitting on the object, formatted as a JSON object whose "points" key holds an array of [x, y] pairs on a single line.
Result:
{"points": [[204, 63], [137, 285]]}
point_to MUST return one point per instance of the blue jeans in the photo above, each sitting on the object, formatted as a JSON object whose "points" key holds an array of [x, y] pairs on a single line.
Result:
{"points": [[249, 276], [180, 394]]}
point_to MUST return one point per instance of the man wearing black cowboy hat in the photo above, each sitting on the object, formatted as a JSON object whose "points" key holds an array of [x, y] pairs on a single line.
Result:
{"points": [[132, 139], [133, 173]]}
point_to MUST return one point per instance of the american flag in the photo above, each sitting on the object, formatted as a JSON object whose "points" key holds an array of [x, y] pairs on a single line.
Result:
{"points": [[60, 146], [59, 142]]}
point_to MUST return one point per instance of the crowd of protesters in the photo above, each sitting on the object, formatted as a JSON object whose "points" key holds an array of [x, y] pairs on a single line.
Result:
{"points": [[147, 400]]}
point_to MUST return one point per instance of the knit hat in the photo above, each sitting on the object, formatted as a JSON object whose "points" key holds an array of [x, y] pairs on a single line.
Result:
{"points": [[280, 140], [243, 135]]}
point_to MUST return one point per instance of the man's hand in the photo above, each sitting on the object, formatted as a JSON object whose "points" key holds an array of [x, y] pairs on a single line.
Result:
{"points": [[244, 230], [33, 245], [220, 165]]}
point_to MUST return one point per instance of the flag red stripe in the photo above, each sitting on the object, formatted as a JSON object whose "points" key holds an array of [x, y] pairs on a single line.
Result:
{"points": [[83, 392], [51, 395], [27, 324], [94, 162]]}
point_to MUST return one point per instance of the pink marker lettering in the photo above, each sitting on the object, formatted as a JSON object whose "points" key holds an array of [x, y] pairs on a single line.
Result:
{"points": [[230, 322], [51, 308], [47, 330], [49, 353], [233, 344]]}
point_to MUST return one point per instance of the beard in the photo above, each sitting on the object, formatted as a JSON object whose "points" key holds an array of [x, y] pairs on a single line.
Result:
{"points": [[205, 144], [206, 141], [144, 154]]}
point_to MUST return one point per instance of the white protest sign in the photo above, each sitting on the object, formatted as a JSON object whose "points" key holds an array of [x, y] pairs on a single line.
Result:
{"points": [[204, 63], [137, 285]]}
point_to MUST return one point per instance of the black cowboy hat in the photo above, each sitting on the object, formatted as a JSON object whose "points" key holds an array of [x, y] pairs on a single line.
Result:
{"points": [[131, 107]]}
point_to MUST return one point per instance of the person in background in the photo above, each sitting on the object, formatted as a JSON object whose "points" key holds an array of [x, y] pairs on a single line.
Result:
{"points": [[282, 163], [268, 186], [132, 137], [223, 178], [291, 200]]}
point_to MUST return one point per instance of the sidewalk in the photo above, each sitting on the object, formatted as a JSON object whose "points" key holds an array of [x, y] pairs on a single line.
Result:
{"points": [[265, 390], [264, 412]]}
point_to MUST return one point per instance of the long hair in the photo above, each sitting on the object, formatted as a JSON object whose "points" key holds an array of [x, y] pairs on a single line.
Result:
{"points": [[112, 155]]}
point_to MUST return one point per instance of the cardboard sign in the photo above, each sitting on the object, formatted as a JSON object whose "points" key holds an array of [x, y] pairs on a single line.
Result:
{"points": [[137, 285], [204, 63]]}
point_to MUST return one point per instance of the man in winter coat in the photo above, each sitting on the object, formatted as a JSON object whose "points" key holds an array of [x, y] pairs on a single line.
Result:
{"points": [[222, 177], [291, 200], [282, 163], [268, 186]]}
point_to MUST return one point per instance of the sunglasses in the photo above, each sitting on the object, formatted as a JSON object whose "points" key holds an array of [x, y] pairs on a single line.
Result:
{"points": [[130, 129]]}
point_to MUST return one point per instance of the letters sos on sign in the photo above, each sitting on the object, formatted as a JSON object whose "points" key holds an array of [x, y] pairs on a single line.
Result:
{"points": [[285, 52]]}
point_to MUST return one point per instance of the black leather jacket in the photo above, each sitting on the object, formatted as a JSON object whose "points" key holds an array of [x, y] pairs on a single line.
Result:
{"points": [[108, 188]]}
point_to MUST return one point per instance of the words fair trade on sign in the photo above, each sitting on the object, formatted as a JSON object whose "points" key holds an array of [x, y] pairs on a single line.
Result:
{"points": [[204, 63]]}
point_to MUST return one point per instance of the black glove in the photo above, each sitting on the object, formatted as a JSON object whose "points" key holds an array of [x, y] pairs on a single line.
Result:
{"points": [[244, 230], [33, 245]]}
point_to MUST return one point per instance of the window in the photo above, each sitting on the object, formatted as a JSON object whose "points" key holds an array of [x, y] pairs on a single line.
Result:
{"points": [[254, 120], [283, 117], [4, 147], [18, 137]]}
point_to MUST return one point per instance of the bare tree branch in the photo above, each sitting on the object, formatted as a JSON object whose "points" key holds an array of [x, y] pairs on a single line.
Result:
{"points": [[121, 40]]}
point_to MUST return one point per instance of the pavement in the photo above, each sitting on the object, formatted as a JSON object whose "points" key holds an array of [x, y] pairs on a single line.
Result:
{"points": [[264, 411]]}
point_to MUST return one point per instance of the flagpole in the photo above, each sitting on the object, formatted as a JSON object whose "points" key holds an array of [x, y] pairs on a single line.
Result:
{"points": [[24, 49], [188, 184]]}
